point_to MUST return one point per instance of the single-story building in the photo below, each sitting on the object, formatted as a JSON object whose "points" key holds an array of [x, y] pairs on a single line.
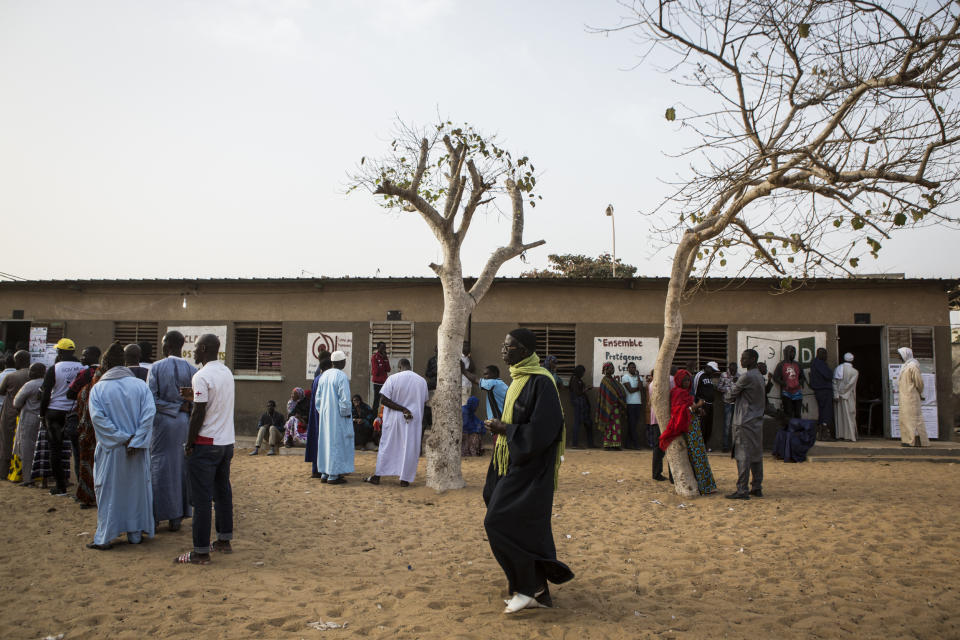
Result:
{"points": [[272, 329]]}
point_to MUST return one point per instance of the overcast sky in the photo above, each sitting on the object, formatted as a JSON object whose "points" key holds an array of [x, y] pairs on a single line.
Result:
{"points": [[214, 138]]}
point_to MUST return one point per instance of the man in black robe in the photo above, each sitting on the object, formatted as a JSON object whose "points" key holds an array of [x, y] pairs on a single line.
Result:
{"points": [[519, 497]]}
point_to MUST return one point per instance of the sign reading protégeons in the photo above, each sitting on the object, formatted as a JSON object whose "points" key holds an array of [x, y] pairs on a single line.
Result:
{"points": [[623, 350]]}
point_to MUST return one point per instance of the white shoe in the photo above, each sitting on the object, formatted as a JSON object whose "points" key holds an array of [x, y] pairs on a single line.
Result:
{"points": [[519, 602]]}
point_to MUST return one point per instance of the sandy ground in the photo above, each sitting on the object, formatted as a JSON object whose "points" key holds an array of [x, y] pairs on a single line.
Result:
{"points": [[857, 549]]}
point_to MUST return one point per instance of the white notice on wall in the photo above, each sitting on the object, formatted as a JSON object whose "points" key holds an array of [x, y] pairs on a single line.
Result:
{"points": [[928, 407], [622, 350], [331, 342], [191, 334], [38, 345]]}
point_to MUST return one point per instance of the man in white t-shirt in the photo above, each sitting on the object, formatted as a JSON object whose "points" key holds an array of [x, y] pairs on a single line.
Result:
{"points": [[632, 383], [209, 450]]}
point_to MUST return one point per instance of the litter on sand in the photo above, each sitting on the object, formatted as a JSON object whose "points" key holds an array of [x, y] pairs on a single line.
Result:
{"points": [[656, 502], [320, 625]]}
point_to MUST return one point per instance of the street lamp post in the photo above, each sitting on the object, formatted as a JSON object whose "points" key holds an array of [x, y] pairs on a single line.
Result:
{"points": [[613, 231]]}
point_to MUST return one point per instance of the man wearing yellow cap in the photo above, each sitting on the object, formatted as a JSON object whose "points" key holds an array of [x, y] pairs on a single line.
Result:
{"points": [[55, 406]]}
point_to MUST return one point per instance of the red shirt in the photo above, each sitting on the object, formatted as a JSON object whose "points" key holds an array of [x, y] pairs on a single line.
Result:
{"points": [[379, 367]]}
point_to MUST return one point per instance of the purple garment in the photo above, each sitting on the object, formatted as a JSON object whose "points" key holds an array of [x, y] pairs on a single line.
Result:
{"points": [[793, 442], [471, 423], [313, 425]]}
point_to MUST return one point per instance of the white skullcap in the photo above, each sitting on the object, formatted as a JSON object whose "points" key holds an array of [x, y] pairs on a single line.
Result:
{"points": [[848, 357], [337, 356]]}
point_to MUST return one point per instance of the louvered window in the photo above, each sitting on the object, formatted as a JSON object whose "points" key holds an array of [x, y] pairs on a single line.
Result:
{"points": [[398, 336], [257, 348], [700, 345], [133, 332], [919, 339], [559, 340]]}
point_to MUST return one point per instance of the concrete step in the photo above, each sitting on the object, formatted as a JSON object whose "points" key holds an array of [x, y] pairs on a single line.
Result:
{"points": [[942, 459], [877, 449]]}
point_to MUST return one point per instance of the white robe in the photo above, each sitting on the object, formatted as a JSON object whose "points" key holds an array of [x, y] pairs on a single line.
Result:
{"points": [[845, 395], [910, 386], [400, 443]]}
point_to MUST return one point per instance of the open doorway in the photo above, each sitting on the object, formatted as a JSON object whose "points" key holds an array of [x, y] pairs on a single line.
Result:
{"points": [[865, 342], [15, 334]]}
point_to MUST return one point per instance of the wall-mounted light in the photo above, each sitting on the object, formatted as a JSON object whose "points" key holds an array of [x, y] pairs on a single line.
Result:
{"points": [[184, 302]]}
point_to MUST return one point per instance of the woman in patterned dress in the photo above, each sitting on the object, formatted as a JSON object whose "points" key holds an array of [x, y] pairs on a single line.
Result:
{"points": [[88, 446], [298, 409], [685, 421], [697, 452], [611, 409]]}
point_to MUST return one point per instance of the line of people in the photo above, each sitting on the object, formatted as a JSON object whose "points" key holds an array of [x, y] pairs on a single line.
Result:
{"points": [[151, 442]]}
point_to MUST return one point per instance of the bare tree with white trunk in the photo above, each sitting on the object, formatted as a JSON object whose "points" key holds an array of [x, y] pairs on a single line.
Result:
{"points": [[447, 174], [820, 126]]}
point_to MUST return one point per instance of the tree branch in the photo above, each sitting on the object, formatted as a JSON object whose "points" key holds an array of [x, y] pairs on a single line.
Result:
{"points": [[511, 250], [421, 165], [429, 214]]}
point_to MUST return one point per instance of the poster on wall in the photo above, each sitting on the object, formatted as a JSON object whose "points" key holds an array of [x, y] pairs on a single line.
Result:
{"points": [[928, 407], [622, 350], [192, 334], [769, 346], [40, 351], [331, 342]]}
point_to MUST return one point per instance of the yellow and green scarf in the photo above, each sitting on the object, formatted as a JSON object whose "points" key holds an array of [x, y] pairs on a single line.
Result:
{"points": [[520, 373]]}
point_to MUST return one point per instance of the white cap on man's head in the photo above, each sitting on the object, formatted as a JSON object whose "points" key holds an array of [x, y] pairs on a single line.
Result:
{"points": [[713, 365], [338, 356], [848, 357]]}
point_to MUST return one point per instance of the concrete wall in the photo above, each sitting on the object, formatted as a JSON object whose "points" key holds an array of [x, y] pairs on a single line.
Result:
{"points": [[597, 308]]}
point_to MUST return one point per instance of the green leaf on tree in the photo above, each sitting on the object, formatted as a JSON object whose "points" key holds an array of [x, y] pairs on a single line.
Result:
{"points": [[671, 114]]}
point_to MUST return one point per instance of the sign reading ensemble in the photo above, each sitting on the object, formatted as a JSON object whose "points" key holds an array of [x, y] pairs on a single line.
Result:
{"points": [[621, 351]]}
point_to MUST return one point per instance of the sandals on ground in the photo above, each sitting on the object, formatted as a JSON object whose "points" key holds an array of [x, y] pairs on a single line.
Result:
{"points": [[221, 546], [190, 558], [520, 602]]}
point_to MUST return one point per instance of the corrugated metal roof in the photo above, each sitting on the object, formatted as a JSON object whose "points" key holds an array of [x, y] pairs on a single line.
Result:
{"points": [[425, 279], [645, 282]]}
